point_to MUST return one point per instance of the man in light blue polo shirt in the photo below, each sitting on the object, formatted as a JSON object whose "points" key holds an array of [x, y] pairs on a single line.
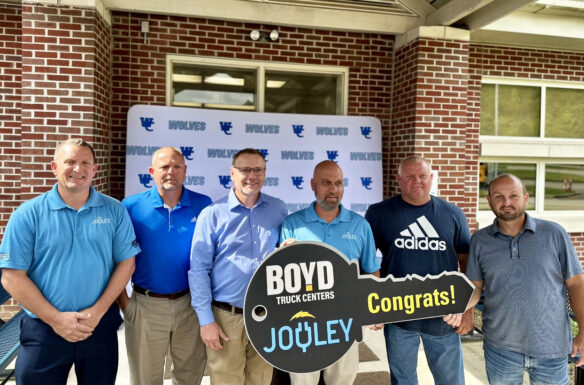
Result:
{"points": [[326, 220], [232, 237], [526, 266], [65, 257], [159, 315]]}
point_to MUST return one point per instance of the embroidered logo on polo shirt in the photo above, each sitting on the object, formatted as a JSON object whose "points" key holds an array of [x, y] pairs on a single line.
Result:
{"points": [[348, 235], [4, 256], [101, 221], [420, 235]]}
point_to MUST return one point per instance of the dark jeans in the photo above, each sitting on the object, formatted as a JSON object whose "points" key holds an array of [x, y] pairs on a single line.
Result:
{"points": [[46, 358]]}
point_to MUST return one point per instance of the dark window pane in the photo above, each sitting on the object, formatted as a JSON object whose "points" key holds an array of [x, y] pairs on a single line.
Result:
{"points": [[563, 113], [210, 87], [303, 93], [564, 187], [489, 171]]}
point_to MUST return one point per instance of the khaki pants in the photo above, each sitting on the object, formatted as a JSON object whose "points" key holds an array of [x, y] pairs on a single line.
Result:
{"points": [[153, 325], [237, 362], [342, 372]]}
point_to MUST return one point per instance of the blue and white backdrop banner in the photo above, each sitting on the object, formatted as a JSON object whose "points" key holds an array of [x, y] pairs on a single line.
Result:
{"points": [[292, 145]]}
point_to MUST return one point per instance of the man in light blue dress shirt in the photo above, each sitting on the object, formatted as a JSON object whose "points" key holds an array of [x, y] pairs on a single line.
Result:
{"points": [[232, 237]]}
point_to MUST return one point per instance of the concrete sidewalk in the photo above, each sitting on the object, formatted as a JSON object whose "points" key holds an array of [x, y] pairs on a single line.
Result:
{"points": [[373, 368]]}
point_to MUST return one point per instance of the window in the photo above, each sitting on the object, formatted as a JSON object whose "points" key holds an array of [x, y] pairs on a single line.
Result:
{"points": [[534, 129], [563, 118], [564, 187], [198, 86], [516, 110], [256, 86], [509, 110], [302, 93]]}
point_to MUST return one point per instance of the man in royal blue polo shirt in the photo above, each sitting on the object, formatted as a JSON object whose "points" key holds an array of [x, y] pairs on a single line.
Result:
{"points": [[159, 314], [65, 257], [326, 220], [233, 236]]}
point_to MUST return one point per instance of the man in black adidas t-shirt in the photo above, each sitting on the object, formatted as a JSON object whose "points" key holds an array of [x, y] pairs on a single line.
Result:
{"points": [[421, 234]]}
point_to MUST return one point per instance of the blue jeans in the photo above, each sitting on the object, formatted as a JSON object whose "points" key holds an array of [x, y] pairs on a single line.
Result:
{"points": [[444, 355], [507, 367]]}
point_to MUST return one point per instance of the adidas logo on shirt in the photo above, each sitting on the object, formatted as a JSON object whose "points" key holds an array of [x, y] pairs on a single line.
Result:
{"points": [[420, 235]]}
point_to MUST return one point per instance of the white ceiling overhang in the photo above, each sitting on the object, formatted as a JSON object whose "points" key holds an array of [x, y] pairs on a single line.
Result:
{"points": [[552, 24]]}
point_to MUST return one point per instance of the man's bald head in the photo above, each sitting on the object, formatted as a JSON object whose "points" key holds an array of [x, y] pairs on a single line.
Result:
{"points": [[328, 185]]}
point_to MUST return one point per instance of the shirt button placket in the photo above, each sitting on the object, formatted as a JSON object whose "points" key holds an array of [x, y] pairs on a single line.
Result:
{"points": [[514, 248], [254, 235]]}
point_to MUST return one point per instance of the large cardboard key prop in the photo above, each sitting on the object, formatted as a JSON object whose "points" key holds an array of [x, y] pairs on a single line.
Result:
{"points": [[306, 304]]}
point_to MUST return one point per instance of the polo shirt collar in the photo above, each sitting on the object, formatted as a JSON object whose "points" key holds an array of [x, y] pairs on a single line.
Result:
{"points": [[310, 214], [234, 202], [56, 202], [156, 199], [529, 225]]}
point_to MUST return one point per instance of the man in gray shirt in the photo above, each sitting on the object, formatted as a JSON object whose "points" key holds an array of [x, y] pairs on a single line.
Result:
{"points": [[526, 266]]}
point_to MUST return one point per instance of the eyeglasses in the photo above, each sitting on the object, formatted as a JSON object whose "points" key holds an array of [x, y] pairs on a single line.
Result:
{"points": [[248, 170]]}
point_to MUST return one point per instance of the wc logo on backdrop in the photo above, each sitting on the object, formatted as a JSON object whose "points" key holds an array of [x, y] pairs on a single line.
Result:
{"points": [[224, 180], [226, 127], [297, 182], [298, 130], [145, 180], [366, 131], [332, 155], [366, 182], [187, 152], [307, 303], [147, 123], [264, 152]]}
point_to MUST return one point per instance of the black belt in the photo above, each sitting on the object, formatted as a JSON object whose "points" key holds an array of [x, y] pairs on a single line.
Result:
{"points": [[228, 307], [148, 293]]}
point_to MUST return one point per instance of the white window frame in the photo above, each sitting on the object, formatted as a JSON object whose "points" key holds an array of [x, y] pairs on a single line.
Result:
{"points": [[539, 150], [261, 67]]}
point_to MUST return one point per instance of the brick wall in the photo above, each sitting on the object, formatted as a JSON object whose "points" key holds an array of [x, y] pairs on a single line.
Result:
{"points": [[578, 242], [55, 84], [429, 117], [65, 89], [10, 95], [139, 69], [403, 119], [526, 64], [102, 99]]}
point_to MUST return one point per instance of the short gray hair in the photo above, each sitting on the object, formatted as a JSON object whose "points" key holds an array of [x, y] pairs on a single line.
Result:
{"points": [[76, 142], [413, 159]]}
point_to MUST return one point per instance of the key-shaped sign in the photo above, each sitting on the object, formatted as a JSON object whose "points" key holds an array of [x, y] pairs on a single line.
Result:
{"points": [[306, 304]]}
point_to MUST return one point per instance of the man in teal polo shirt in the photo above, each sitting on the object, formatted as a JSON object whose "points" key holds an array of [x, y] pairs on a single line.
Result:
{"points": [[159, 315], [326, 220], [65, 257]]}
